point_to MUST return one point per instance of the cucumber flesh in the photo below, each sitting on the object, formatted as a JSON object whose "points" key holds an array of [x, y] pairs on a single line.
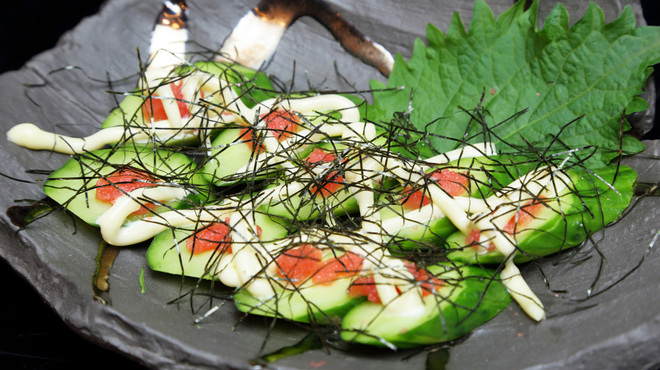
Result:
{"points": [[484, 173], [559, 228], [74, 184], [323, 301], [470, 297], [168, 252], [321, 304]]}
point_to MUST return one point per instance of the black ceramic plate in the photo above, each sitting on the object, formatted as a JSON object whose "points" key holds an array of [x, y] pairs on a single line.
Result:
{"points": [[614, 323]]}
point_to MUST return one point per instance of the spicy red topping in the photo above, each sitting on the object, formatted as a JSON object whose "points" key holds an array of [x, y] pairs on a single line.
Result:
{"points": [[282, 124], [246, 135], [301, 263], [214, 237], [429, 284], [298, 264], [330, 183], [319, 156], [366, 286], [124, 181], [153, 108], [526, 215], [414, 199], [340, 267], [120, 182], [454, 183]]}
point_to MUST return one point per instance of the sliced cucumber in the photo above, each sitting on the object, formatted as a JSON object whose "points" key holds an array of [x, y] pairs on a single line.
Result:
{"points": [[236, 147], [74, 184], [483, 175], [168, 252], [316, 289], [470, 297], [564, 223], [303, 205], [232, 150], [321, 304]]}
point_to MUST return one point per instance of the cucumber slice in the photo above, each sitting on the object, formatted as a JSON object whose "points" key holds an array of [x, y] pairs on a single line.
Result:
{"points": [[236, 146], [232, 150], [554, 229], [320, 301], [321, 304], [168, 252], [483, 175], [303, 205], [74, 184], [470, 297], [316, 197], [415, 235]]}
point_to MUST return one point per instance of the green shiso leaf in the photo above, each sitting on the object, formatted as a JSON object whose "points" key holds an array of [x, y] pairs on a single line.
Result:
{"points": [[510, 82]]}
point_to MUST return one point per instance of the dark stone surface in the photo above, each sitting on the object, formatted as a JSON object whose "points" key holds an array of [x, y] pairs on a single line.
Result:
{"points": [[57, 256]]}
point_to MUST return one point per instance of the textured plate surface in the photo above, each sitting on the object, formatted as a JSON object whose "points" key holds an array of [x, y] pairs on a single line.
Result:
{"points": [[619, 325]]}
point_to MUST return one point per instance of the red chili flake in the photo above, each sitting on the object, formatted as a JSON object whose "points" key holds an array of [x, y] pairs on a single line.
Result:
{"points": [[318, 156], [429, 284], [336, 268], [298, 264], [452, 182], [328, 185], [123, 181], [414, 199], [526, 214], [153, 108], [332, 181], [246, 136], [281, 123], [473, 240], [365, 286], [214, 237]]}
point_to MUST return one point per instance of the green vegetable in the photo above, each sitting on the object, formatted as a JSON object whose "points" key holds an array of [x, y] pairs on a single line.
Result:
{"points": [[173, 257], [321, 304], [470, 297], [74, 185], [525, 85], [483, 176], [586, 206]]}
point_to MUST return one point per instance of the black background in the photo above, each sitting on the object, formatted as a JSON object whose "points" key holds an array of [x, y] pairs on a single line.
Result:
{"points": [[32, 336]]}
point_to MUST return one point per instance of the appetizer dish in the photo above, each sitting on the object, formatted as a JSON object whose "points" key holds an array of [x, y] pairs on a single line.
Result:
{"points": [[398, 216]]}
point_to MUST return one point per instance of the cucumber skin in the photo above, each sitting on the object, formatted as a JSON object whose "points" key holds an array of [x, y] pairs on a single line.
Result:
{"points": [[305, 207], [319, 304], [455, 312], [227, 144], [75, 190], [558, 233], [486, 174], [162, 253], [419, 237]]}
